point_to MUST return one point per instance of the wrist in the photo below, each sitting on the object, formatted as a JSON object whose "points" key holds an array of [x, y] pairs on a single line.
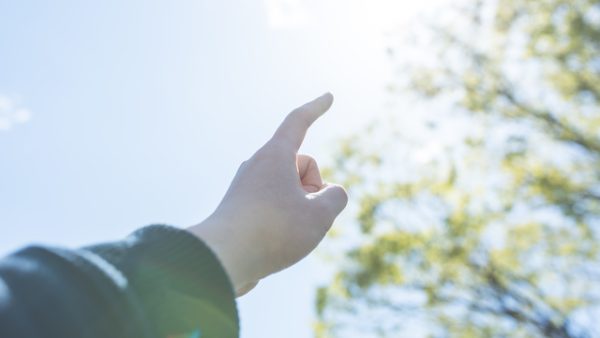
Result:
{"points": [[215, 234]]}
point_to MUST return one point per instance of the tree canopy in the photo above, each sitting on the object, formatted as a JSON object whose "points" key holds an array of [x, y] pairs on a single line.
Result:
{"points": [[486, 224]]}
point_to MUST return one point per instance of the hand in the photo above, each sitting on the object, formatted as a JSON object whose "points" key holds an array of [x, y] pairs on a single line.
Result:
{"points": [[277, 208]]}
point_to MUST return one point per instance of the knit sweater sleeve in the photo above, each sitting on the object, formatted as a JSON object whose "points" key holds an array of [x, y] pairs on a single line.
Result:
{"points": [[158, 282]]}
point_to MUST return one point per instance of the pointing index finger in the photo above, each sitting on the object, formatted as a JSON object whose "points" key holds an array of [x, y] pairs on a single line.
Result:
{"points": [[293, 128]]}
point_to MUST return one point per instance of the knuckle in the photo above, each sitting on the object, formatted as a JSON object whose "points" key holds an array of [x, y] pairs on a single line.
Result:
{"points": [[265, 151], [321, 210], [272, 151], [277, 149], [343, 194], [243, 165]]}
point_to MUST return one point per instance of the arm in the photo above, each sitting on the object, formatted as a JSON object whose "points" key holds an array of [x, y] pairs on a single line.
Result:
{"points": [[158, 281], [163, 281]]}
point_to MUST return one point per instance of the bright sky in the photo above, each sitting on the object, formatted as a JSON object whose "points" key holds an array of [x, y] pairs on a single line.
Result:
{"points": [[118, 114]]}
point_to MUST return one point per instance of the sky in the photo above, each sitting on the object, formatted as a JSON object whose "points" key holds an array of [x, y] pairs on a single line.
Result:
{"points": [[119, 114]]}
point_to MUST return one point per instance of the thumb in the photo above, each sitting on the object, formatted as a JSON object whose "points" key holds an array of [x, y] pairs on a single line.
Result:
{"points": [[333, 197]]}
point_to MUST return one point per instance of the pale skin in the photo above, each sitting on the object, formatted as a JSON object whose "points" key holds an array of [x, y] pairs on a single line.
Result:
{"points": [[277, 208]]}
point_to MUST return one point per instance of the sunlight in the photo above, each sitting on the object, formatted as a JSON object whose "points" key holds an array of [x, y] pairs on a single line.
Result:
{"points": [[352, 37]]}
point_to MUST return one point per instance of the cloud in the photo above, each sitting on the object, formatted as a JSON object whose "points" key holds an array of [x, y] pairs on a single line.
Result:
{"points": [[286, 13], [11, 113]]}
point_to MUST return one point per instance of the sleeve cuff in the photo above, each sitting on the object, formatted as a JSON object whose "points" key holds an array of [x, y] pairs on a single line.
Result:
{"points": [[178, 279]]}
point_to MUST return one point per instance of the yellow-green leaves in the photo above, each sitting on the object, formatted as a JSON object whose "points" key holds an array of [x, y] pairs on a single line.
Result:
{"points": [[497, 235]]}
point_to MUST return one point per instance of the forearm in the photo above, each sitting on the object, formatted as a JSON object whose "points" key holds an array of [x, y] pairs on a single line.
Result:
{"points": [[52, 292], [158, 281]]}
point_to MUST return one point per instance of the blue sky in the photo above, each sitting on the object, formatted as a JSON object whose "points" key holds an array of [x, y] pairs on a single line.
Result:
{"points": [[119, 114]]}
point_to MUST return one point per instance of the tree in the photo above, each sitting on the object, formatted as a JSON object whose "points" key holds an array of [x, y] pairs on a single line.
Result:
{"points": [[492, 230]]}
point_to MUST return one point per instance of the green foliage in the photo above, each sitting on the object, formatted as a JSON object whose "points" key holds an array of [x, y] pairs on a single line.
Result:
{"points": [[497, 235]]}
